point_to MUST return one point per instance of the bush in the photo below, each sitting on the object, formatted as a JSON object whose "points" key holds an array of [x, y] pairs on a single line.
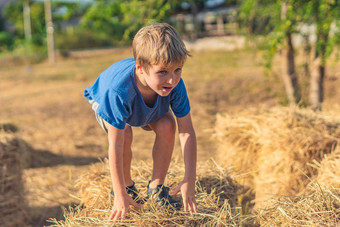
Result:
{"points": [[6, 41], [82, 39], [23, 53]]}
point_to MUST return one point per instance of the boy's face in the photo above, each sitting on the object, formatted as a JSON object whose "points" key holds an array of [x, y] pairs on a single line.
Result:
{"points": [[162, 79]]}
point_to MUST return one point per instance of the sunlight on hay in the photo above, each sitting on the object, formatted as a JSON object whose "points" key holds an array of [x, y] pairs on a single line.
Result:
{"points": [[12, 202], [320, 207], [329, 170], [218, 199], [273, 148]]}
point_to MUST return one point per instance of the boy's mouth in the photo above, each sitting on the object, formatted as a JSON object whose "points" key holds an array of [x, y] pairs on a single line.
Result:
{"points": [[167, 88]]}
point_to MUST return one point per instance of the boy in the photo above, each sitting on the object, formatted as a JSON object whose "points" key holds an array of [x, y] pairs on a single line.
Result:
{"points": [[138, 92]]}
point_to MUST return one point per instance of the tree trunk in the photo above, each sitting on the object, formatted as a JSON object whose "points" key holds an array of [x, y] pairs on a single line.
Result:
{"points": [[288, 75], [316, 94], [288, 65], [318, 73], [316, 84], [291, 68], [306, 55]]}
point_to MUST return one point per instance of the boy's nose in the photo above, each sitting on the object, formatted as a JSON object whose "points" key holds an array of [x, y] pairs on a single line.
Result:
{"points": [[171, 79]]}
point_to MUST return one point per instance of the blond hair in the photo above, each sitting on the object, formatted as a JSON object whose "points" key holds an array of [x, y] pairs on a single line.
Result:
{"points": [[158, 44]]}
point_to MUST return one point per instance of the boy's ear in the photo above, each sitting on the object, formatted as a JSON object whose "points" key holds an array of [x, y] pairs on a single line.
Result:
{"points": [[139, 68]]}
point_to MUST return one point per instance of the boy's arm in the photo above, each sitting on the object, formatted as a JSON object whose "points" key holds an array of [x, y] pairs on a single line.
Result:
{"points": [[116, 148], [187, 139]]}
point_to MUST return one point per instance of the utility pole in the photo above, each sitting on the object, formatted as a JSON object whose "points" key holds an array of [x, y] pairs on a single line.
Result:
{"points": [[27, 21], [49, 31]]}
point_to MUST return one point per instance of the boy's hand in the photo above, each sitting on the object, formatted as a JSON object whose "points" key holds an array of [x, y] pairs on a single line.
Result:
{"points": [[188, 194], [121, 206]]}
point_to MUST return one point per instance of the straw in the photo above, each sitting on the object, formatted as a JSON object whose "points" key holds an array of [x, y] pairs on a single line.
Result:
{"points": [[12, 202], [273, 148], [217, 198]]}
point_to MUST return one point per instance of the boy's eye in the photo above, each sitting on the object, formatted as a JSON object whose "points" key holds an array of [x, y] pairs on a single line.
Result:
{"points": [[178, 70], [163, 72]]}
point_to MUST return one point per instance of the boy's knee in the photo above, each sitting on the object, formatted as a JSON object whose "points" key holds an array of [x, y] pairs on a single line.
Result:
{"points": [[166, 125]]}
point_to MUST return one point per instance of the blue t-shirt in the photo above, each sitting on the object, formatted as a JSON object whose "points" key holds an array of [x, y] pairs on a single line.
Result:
{"points": [[120, 101]]}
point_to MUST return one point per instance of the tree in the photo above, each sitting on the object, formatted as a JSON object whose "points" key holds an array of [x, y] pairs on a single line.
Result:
{"points": [[288, 58], [277, 20], [14, 14], [323, 13], [280, 26]]}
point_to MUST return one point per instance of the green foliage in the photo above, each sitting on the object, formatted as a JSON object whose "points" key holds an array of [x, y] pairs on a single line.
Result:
{"points": [[262, 19], [335, 40], [73, 10], [104, 16], [259, 16], [121, 19], [324, 13], [138, 14]]}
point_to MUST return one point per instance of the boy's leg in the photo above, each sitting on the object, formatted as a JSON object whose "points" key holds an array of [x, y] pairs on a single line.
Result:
{"points": [[127, 155], [128, 136], [165, 129]]}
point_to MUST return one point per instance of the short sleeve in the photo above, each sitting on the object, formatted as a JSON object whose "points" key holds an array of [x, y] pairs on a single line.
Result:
{"points": [[179, 101], [113, 109]]}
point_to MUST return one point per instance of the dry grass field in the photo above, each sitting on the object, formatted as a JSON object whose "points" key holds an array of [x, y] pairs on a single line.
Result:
{"points": [[44, 112]]}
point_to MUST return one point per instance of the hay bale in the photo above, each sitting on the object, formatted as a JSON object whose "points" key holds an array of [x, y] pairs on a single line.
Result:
{"points": [[329, 170], [12, 201], [217, 198], [320, 207], [273, 148]]}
